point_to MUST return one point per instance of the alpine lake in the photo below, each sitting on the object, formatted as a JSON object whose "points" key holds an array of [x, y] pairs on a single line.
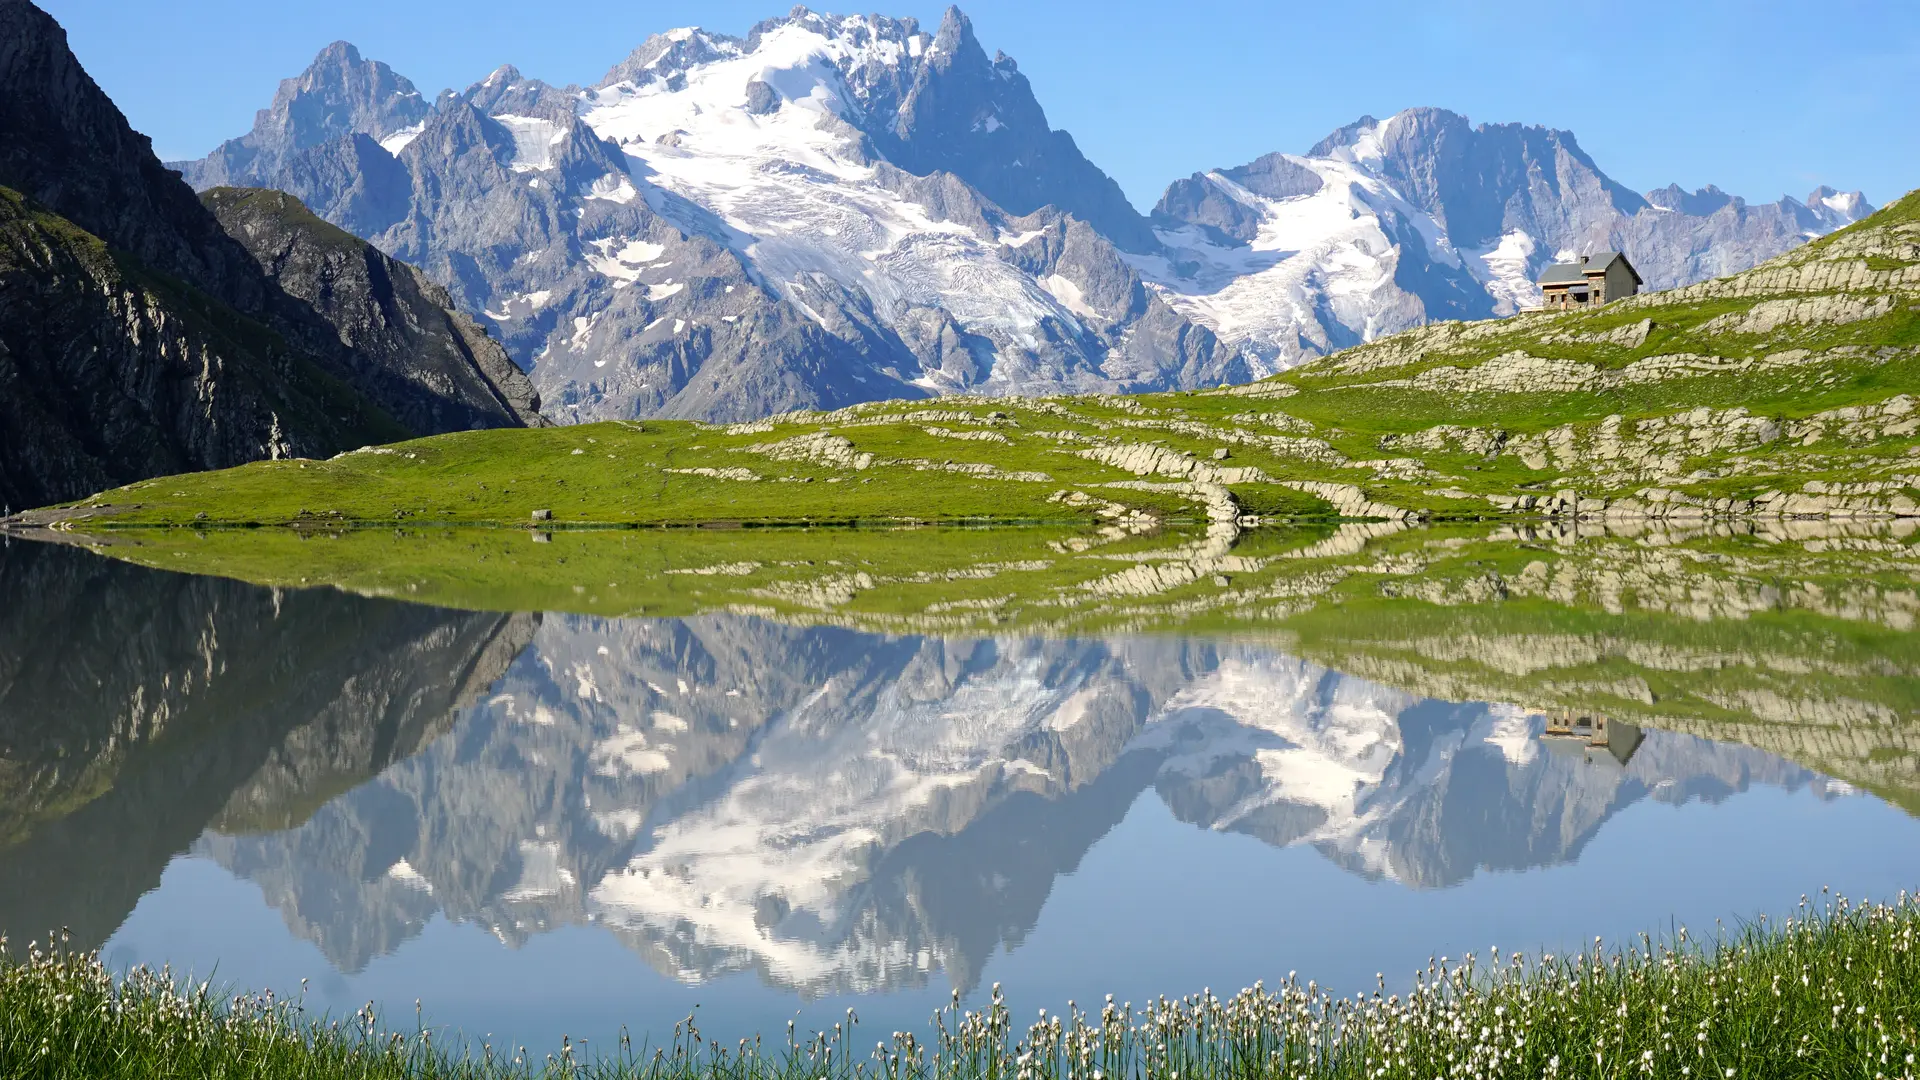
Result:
{"points": [[571, 784]]}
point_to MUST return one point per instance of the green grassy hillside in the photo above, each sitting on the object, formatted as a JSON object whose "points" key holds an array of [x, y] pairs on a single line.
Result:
{"points": [[1785, 391]]}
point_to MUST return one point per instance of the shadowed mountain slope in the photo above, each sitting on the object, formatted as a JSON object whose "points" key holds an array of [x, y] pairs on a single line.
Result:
{"points": [[137, 337]]}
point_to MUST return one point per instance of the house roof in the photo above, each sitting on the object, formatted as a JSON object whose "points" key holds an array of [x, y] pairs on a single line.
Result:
{"points": [[1598, 262], [1588, 266], [1564, 274]]}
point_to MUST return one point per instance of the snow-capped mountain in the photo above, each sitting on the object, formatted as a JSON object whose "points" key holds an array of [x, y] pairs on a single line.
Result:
{"points": [[827, 210], [1388, 224], [833, 209], [834, 810]]}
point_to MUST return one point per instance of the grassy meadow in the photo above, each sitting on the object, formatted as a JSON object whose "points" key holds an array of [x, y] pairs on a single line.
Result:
{"points": [[1831, 992]]}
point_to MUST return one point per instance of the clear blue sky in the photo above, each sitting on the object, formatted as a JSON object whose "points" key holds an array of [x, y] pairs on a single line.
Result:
{"points": [[1762, 98]]}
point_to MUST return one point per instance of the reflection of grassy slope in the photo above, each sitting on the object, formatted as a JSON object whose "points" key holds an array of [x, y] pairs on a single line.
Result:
{"points": [[869, 576], [1829, 694], [1841, 332], [1805, 648], [1805, 651]]}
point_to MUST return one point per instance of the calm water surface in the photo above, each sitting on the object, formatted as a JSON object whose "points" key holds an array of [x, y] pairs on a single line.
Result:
{"points": [[552, 824]]}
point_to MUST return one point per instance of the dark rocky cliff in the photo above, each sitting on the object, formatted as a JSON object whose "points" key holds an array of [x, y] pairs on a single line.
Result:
{"points": [[110, 372], [65, 145], [139, 338]]}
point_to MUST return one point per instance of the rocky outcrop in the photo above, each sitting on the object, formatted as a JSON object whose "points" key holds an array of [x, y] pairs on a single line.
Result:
{"points": [[109, 374], [1349, 501], [428, 366], [1770, 315]]}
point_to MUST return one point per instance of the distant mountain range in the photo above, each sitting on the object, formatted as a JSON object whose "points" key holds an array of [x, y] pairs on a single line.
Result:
{"points": [[828, 210], [1387, 224], [836, 209]]}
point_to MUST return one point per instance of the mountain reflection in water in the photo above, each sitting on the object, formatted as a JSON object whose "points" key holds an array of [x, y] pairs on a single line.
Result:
{"points": [[835, 811], [842, 812]]}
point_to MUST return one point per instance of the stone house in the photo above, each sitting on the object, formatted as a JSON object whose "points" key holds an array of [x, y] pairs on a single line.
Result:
{"points": [[1594, 280]]}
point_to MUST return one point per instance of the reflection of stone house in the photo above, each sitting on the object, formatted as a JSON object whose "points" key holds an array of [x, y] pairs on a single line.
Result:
{"points": [[1594, 280], [1598, 732]]}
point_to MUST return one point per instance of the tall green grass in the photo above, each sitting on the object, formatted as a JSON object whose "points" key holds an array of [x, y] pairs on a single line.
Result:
{"points": [[1833, 991]]}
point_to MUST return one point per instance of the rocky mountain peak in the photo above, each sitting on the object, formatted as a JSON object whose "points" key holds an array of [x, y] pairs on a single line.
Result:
{"points": [[1429, 216], [1844, 207], [457, 128], [931, 103], [340, 93], [1707, 200], [671, 52], [339, 96], [1344, 138], [945, 106], [1824, 210], [955, 35], [507, 91], [1468, 176]]}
